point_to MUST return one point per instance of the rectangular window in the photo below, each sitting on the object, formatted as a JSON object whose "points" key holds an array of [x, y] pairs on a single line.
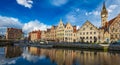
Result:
{"points": [[83, 33], [116, 35], [90, 32], [86, 37], [80, 33], [83, 28], [94, 32], [90, 37], [83, 37], [90, 28], [87, 33]]}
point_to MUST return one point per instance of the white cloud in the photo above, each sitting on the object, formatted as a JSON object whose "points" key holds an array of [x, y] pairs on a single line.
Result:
{"points": [[15, 23], [3, 30], [77, 10], [6, 61], [111, 8], [10, 22], [58, 2], [72, 16], [26, 3], [34, 25], [77, 27], [88, 13], [95, 13], [29, 57], [12, 62]]}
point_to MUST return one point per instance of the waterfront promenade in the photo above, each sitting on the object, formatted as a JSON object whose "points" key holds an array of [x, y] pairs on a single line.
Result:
{"points": [[77, 46]]}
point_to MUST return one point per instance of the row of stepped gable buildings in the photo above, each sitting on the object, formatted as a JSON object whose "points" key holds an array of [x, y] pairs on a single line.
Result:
{"points": [[108, 32]]}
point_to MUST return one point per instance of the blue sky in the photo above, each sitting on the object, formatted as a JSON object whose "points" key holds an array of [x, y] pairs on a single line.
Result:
{"points": [[41, 14]]}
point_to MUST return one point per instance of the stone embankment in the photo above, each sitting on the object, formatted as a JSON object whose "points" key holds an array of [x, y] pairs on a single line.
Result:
{"points": [[89, 46]]}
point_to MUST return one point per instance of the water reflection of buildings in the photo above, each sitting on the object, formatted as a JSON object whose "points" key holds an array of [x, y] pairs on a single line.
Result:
{"points": [[71, 57], [11, 52]]}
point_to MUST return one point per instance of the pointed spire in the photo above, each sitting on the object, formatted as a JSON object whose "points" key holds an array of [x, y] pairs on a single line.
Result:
{"points": [[104, 5], [104, 10], [60, 19]]}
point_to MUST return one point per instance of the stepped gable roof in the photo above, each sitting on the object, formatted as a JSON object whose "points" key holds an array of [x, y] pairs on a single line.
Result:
{"points": [[86, 23], [89, 23], [67, 24]]}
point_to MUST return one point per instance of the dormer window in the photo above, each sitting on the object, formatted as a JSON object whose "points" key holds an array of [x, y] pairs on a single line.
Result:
{"points": [[91, 28], [83, 28]]}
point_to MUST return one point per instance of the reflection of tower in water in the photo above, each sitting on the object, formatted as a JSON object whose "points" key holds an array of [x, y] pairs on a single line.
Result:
{"points": [[12, 51]]}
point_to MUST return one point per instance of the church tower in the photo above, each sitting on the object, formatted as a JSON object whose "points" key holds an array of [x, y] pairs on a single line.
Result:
{"points": [[104, 15]]}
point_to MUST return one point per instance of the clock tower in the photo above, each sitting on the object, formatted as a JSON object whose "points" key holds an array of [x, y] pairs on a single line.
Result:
{"points": [[104, 15]]}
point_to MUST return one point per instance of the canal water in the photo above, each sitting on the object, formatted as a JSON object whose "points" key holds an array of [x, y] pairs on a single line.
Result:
{"points": [[14, 55]]}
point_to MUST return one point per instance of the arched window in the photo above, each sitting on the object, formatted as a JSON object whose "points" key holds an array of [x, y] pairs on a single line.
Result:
{"points": [[90, 32], [94, 32], [90, 37], [83, 33], [90, 41], [116, 36], [86, 37], [83, 37], [87, 33], [95, 39]]}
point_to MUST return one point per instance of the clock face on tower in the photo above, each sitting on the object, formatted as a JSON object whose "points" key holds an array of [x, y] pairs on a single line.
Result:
{"points": [[103, 15]]}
